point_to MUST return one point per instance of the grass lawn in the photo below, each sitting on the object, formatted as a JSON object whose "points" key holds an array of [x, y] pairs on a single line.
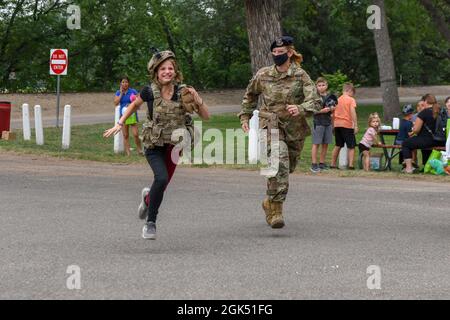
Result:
{"points": [[87, 143]]}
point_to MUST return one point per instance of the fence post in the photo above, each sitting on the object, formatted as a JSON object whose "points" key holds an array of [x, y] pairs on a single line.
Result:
{"points": [[26, 122], [38, 125], [118, 138], [66, 127]]}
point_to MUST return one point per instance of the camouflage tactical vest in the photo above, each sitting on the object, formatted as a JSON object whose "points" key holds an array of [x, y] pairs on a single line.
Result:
{"points": [[168, 116]]}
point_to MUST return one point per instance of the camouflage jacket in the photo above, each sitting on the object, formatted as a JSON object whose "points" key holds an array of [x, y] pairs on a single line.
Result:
{"points": [[277, 90]]}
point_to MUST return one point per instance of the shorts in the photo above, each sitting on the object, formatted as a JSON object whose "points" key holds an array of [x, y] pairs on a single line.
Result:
{"points": [[133, 119], [362, 148], [345, 136], [322, 134]]}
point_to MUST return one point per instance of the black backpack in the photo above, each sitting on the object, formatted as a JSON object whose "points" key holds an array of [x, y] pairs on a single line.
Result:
{"points": [[439, 134]]}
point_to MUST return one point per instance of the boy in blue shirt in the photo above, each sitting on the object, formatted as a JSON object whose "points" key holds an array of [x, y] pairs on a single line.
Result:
{"points": [[406, 125]]}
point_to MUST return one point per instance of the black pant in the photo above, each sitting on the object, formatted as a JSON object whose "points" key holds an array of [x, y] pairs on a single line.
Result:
{"points": [[419, 142], [156, 158], [425, 155]]}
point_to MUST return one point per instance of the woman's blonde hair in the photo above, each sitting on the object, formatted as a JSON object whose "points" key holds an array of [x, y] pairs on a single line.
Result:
{"points": [[373, 116], [296, 57]]}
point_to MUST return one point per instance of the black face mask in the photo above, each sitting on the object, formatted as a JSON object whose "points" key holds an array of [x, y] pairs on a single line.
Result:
{"points": [[280, 59]]}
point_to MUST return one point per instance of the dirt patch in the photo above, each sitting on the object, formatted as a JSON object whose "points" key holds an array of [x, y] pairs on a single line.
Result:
{"points": [[102, 103]]}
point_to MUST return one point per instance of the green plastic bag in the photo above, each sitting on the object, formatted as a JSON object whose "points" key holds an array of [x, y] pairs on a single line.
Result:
{"points": [[435, 154], [448, 126]]}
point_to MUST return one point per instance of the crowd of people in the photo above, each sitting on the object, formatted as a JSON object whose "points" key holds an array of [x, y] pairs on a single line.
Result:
{"points": [[417, 130]]}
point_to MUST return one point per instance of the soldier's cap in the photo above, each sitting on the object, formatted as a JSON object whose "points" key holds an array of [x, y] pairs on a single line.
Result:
{"points": [[157, 59], [282, 42]]}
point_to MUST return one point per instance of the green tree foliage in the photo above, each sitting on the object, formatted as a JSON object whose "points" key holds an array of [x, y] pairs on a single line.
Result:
{"points": [[210, 40], [336, 81]]}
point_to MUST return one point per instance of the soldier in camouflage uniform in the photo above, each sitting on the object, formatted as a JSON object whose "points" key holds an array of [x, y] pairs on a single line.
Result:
{"points": [[288, 95], [169, 104]]}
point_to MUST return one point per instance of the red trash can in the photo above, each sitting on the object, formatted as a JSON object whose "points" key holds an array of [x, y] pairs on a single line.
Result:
{"points": [[5, 116]]}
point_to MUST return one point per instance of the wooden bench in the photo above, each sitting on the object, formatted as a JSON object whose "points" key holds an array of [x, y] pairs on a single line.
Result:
{"points": [[395, 150]]}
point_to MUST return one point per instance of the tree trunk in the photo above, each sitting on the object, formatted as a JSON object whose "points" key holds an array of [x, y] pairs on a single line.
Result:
{"points": [[158, 10], [438, 18], [263, 26], [391, 101]]}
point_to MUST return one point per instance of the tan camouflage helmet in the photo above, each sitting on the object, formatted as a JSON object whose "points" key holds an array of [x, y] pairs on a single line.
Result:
{"points": [[157, 59]]}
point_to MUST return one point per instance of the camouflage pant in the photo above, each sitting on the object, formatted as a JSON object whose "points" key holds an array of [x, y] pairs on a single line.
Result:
{"points": [[289, 152]]}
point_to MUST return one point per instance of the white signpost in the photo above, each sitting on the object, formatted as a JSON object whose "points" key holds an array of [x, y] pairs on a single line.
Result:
{"points": [[59, 60]]}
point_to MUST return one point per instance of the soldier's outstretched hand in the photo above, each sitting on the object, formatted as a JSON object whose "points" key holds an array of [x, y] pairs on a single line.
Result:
{"points": [[293, 110]]}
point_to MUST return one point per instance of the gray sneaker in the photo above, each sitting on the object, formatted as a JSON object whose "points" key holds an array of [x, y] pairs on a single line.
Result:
{"points": [[315, 168], [149, 231], [142, 210]]}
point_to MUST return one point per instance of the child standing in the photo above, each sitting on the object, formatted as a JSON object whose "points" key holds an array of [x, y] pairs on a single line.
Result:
{"points": [[322, 133], [345, 125], [369, 139]]}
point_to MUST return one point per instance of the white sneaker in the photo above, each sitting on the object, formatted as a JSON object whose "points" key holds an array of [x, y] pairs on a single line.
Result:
{"points": [[142, 210], [149, 231]]}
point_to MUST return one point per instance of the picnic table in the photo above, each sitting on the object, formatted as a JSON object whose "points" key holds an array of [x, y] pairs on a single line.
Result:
{"points": [[390, 151]]}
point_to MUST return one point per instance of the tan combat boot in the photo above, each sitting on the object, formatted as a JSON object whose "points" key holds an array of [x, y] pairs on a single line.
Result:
{"points": [[277, 220], [267, 209]]}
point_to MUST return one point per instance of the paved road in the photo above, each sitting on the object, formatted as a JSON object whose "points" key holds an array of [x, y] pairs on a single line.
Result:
{"points": [[212, 240]]}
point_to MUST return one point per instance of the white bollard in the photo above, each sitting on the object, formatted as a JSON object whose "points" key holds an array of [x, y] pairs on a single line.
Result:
{"points": [[118, 138], [253, 138], [26, 122], [38, 125], [343, 157], [66, 127]]}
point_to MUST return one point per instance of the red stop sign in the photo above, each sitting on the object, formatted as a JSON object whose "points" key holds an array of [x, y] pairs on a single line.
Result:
{"points": [[58, 62]]}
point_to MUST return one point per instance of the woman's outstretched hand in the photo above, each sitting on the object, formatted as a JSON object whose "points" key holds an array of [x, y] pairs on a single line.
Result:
{"points": [[112, 131]]}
